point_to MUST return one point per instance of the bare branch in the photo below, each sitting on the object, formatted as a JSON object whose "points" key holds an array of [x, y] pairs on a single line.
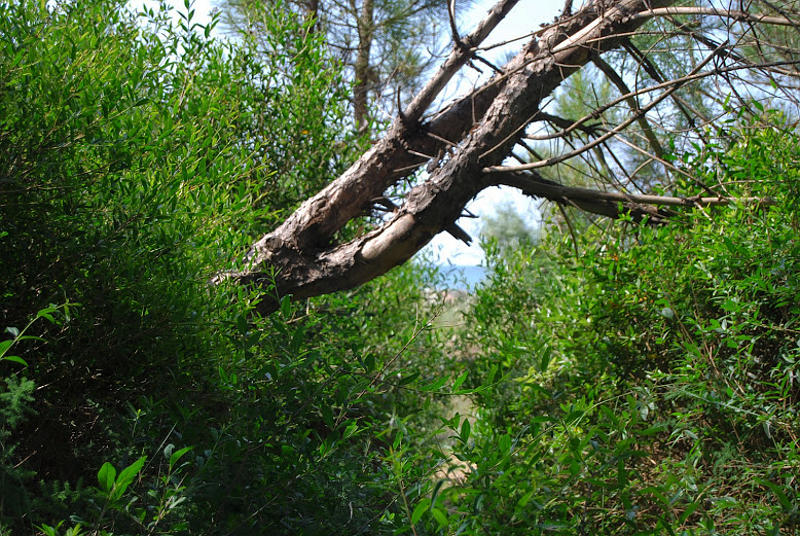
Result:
{"points": [[611, 204], [458, 57], [617, 80], [740, 16], [672, 86], [635, 116]]}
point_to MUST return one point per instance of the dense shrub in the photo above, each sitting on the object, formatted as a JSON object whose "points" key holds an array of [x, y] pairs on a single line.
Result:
{"points": [[650, 386], [137, 158]]}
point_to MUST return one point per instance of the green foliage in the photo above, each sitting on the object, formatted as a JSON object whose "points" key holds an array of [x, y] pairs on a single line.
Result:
{"points": [[509, 229], [393, 34], [15, 406], [137, 159], [646, 387], [158, 506], [650, 387]]}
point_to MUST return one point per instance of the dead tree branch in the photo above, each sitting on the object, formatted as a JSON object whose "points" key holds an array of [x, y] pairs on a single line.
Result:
{"points": [[466, 144]]}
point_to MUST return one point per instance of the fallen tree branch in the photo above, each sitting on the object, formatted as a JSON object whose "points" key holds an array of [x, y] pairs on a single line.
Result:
{"points": [[470, 140]]}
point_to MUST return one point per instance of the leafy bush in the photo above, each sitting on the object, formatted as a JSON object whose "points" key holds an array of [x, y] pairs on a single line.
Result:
{"points": [[137, 158], [649, 387]]}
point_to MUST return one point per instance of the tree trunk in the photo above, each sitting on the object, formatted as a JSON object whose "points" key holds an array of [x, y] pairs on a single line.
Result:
{"points": [[362, 66]]}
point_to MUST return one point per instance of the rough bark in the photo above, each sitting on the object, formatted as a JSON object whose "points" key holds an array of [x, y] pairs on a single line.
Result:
{"points": [[362, 66], [471, 137]]}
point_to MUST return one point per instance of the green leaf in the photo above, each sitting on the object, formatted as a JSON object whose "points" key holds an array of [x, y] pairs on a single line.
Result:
{"points": [[327, 416], [30, 338], [492, 373], [4, 346], [177, 455], [350, 430], [106, 476], [47, 530], [286, 306], [545, 359], [465, 430], [460, 380], [77, 530], [653, 430], [523, 501], [779, 493], [439, 516], [504, 444], [408, 379], [435, 386], [686, 513], [13, 331], [126, 477], [15, 359], [46, 315], [420, 509], [436, 488], [398, 439]]}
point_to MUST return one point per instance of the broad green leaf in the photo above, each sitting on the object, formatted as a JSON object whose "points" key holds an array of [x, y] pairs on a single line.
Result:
{"points": [[126, 477], [106, 477], [465, 430], [439, 516], [47, 530], [46, 315]]}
